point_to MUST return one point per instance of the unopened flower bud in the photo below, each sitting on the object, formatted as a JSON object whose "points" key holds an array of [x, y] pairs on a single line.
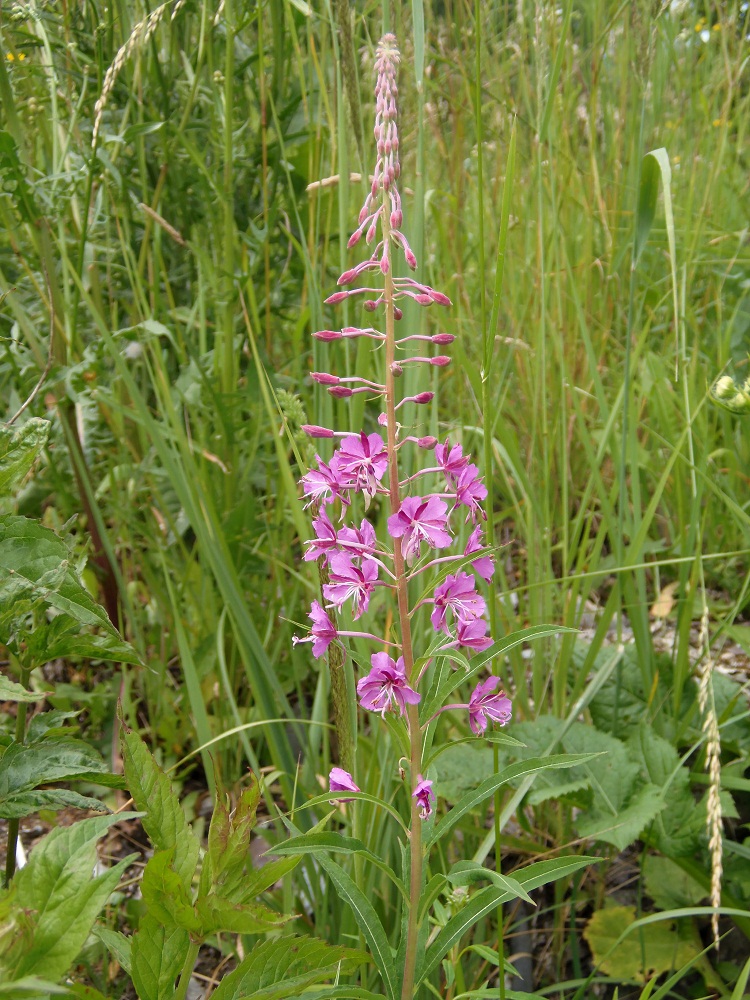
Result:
{"points": [[397, 217], [443, 339], [442, 300], [347, 277], [327, 335], [384, 264], [398, 313], [355, 237], [337, 297], [372, 230], [315, 431], [423, 397], [411, 260], [440, 361], [422, 298], [396, 370], [428, 443], [370, 306], [341, 392], [363, 213], [323, 378]]}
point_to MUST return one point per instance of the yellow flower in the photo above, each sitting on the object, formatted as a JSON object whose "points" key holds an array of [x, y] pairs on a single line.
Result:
{"points": [[9, 56], [21, 56]]}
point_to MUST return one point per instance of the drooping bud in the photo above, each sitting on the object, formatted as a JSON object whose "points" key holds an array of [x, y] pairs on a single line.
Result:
{"points": [[341, 391], [326, 335], [440, 361], [411, 260], [370, 306], [337, 297], [442, 300], [398, 313], [348, 276], [428, 443], [323, 378], [396, 370], [443, 339], [423, 397]]}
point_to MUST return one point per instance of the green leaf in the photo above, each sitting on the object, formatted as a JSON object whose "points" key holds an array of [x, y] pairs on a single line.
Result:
{"points": [[626, 825], [229, 839], [165, 821], [24, 767], [647, 197], [367, 920], [119, 946], [61, 898], [24, 803], [636, 957], [668, 885], [31, 985], [314, 843], [157, 956], [495, 781], [18, 451], [470, 872], [166, 893], [285, 967], [10, 691], [258, 880], [215, 914], [486, 901]]}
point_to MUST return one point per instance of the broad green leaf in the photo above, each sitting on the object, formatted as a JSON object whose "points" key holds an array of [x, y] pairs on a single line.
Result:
{"points": [[315, 843], [258, 880], [668, 885], [636, 957], [62, 898], [469, 873], [495, 781], [21, 804], [486, 901], [18, 450], [119, 946], [367, 920], [165, 821], [24, 767], [167, 895], [627, 823], [157, 955], [284, 968], [30, 986], [11, 691]]}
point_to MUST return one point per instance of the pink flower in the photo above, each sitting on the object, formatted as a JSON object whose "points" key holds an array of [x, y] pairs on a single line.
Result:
{"points": [[323, 631], [340, 780], [350, 581], [420, 520], [361, 541], [484, 705], [425, 796], [451, 460], [459, 594], [386, 686], [365, 460], [325, 541], [472, 632], [485, 565], [470, 491], [325, 483]]}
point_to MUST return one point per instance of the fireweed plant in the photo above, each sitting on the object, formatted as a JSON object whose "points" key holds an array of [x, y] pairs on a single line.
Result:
{"points": [[427, 511]]}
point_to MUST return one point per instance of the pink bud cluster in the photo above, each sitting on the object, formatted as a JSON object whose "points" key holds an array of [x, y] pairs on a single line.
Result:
{"points": [[423, 523]]}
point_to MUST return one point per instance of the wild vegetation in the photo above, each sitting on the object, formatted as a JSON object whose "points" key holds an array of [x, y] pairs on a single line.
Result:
{"points": [[178, 189]]}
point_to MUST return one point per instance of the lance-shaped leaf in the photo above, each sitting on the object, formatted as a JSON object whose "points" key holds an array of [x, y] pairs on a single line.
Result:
{"points": [[165, 821], [157, 955]]}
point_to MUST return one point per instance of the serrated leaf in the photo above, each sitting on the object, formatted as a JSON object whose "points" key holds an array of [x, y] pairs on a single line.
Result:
{"points": [[24, 767], [18, 451], [24, 803], [215, 914], [285, 967], [229, 838], [166, 895], [486, 901], [628, 823], [119, 946], [636, 957], [165, 822], [157, 956], [62, 898], [490, 785], [11, 691]]}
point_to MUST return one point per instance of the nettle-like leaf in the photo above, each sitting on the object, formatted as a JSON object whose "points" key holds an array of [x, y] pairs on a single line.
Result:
{"points": [[286, 967], [661, 948], [18, 451], [165, 821], [11, 691], [59, 900], [229, 839], [25, 767]]}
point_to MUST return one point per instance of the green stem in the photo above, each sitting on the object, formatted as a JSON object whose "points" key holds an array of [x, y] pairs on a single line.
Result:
{"points": [[10, 852], [187, 970]]}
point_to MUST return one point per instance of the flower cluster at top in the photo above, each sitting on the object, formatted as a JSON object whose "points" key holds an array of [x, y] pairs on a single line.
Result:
{"points": [[424, 522]]}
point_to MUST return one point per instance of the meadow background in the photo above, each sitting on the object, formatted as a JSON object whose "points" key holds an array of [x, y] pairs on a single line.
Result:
{"points": [[177, 186]]}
